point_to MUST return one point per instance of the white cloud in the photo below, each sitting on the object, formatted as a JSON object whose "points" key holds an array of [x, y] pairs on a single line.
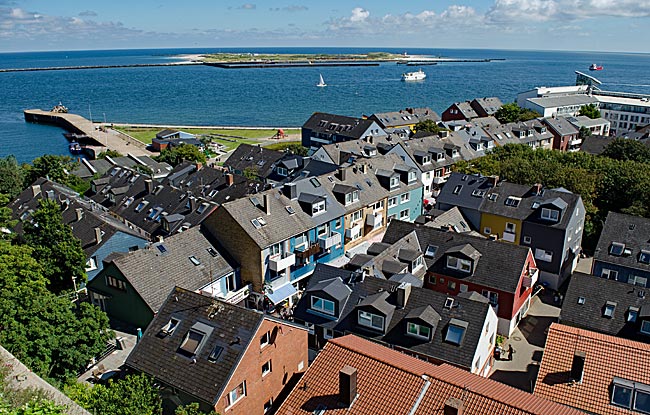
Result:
{"points": [[290, 9], [510, 11], [88, 13], [248, 6], [359, 14]]}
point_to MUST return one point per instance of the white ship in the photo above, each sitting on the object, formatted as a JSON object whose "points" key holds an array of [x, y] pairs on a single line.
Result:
{"points": [[414, 76]]}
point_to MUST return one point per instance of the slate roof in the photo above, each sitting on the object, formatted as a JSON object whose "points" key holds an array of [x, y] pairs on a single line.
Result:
{"points": [[255, 157], [404, 117], [88, 168], [341, 152], [84, 229], [423, 388], [380, 294], [188, 191], [561, 126], [466, 109], [633, 231], [354, 129], [464, 197], [452, 218], [154, 270], [606, 357], [594, 293], [595, 144], [430, 145], [231, 327], [500, 265], [486, 106]]}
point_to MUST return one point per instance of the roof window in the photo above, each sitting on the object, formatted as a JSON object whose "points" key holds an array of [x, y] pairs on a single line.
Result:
{"points": [[449, 302], [261, 221], [616, 248], [456, 331], [195, 260], [608, 311], [644, 256], [215, 353], [290, 210], [256, 223], [493, 197], [431, 251], [212, 252], [512, 201], [457, 189], [168, 329], [202, 208], [581, 300], [191, 343], [632, 314]]}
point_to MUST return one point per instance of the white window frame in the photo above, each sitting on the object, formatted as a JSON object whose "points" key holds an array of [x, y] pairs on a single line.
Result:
{"points": [[235, 393], [356, 216], [550, 214], [645, 327], [366, 319], [318, 208], [323, 230], [511, 227], [610, 274], [282, 171], [543, 255], [487, 230], [266, 368], [322, 309], [404, 197], [412, 176], [404, 214], [460, 264], [417, 332], [392, 201]]}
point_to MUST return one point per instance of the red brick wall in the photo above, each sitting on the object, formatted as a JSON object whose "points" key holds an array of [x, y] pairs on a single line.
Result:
{"points": [[522, 296], [286, 352]]}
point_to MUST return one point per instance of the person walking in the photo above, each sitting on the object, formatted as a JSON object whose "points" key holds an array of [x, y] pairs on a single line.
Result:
{"points": [[510, 352]]}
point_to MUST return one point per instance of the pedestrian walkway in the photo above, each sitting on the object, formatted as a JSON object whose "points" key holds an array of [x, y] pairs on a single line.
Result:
{"points": [[528, 341]]}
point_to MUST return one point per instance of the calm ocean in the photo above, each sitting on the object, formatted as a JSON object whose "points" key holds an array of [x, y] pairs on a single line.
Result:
{"points": [[198, 95]]}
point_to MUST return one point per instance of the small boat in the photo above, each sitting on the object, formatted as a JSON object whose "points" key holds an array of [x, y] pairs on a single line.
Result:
{"points": [[414, 76], [322, 82], [595, 67], [75, 148]]}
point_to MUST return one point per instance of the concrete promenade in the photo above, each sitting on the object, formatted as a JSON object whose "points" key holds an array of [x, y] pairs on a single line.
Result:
{"points": [[103, 139]]}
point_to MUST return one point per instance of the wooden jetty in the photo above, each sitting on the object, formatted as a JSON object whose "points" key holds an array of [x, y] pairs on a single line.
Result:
{"points": [[100, 138]]}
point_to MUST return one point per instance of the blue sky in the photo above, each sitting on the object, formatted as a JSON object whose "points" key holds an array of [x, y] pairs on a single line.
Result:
{"points": [[599, 25]]}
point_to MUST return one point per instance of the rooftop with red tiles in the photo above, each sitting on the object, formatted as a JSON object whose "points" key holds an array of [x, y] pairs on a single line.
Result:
{"points": [[390, 382], [610, 364]]}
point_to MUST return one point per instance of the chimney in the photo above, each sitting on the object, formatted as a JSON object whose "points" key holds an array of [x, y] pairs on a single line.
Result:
{"points": [[230, 179], [494, 237], [148, 185], [578, 366], [160, 238], [36, 190], [267, 203], [347, 385], [537, 188], [453, 406], [364, 168], [443, 134], [289, 190], [98, 236], [80, 214], [198, 165], [192, 203], [403, 293], [494, 180], [342, 174], [371, 139]]}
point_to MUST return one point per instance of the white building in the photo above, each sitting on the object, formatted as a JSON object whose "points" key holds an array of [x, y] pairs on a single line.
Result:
{"points": [[625, 112]]}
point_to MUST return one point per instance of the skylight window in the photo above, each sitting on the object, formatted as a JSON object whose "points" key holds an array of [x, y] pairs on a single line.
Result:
{"points": [[581, 300], [493, 197], [644, 256], [478, 193], [191, 343], [256, 223], [609, 309], [141, 206], [171, 325], [215, 354], [512, 201], [261, 221], [456, 331], [616, 248], [314, 181], [331, 179], [431, 251], [457, 189], [449, 302], [195, 260], [212, 252], [202, 208], [290, 210], [213, 193], [632, 314], [162, 248]]}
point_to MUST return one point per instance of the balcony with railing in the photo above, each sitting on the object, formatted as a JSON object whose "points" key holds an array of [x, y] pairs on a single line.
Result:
{"points": [[280, 262], [330, 240], [306, 251]]}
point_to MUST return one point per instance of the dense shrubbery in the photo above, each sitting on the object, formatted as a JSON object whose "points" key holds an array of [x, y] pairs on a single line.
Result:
{"points": [[605, 183]]}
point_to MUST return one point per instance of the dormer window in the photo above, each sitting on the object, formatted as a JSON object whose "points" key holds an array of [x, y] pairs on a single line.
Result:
{"points": [[282, 171], [417, 263], [632, 314], [351, 197], [426, 160], [412, 176], [513, 201], [317, 208], [460, 264], [322, 305], [394, 182], [609, 309], [370, 320], [440, 156], [550, 214], [645, 327], [418, 330]]}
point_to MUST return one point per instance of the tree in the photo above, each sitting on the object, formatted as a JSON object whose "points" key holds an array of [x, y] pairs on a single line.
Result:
{"points": [[180, 153], [584, 132], [297, 149], [11, 177], [589, 110], [192, 409], [512, 112], [625, 149], [55, 168], [48, 333], [55, 247], [428, 126], [135, 394], [251, 173], [109, 153]]}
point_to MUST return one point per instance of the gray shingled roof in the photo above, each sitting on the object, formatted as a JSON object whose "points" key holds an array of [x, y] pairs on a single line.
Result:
{"points": [[500, 264], [413, 115], [594, 293], [633, 232], [231, 327], [155, 270], [377, 291]]}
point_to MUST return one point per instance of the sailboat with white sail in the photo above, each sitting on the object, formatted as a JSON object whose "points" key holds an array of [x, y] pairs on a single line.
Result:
{"points": [[322, 82]]}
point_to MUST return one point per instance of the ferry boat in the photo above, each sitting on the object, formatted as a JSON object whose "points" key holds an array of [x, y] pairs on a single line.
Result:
{"points": [[595, 67], [414, 76]]}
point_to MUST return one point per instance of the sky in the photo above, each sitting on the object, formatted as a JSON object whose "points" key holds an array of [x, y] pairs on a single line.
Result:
{"points": [[580, 25]]}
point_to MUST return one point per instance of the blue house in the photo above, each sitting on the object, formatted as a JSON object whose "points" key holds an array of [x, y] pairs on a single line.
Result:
{"points": [[279, 235]]}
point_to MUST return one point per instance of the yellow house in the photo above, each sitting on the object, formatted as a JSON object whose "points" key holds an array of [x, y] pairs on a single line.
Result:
{"points": [[506, 229]]}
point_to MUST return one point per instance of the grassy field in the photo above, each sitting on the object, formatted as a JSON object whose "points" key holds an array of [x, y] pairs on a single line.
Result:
{"points": [[249, 57], [281, 146], [247, 136]]}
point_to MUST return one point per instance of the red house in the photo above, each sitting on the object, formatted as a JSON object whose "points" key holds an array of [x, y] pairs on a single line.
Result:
{"points": [[460, 263]]}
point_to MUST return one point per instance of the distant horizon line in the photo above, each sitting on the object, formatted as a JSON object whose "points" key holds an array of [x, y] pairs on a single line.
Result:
{"points": [[326, 47]]}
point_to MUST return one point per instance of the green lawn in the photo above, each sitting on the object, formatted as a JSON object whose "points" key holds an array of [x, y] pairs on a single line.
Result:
{"points": [[240, 136], [281, 146]]}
